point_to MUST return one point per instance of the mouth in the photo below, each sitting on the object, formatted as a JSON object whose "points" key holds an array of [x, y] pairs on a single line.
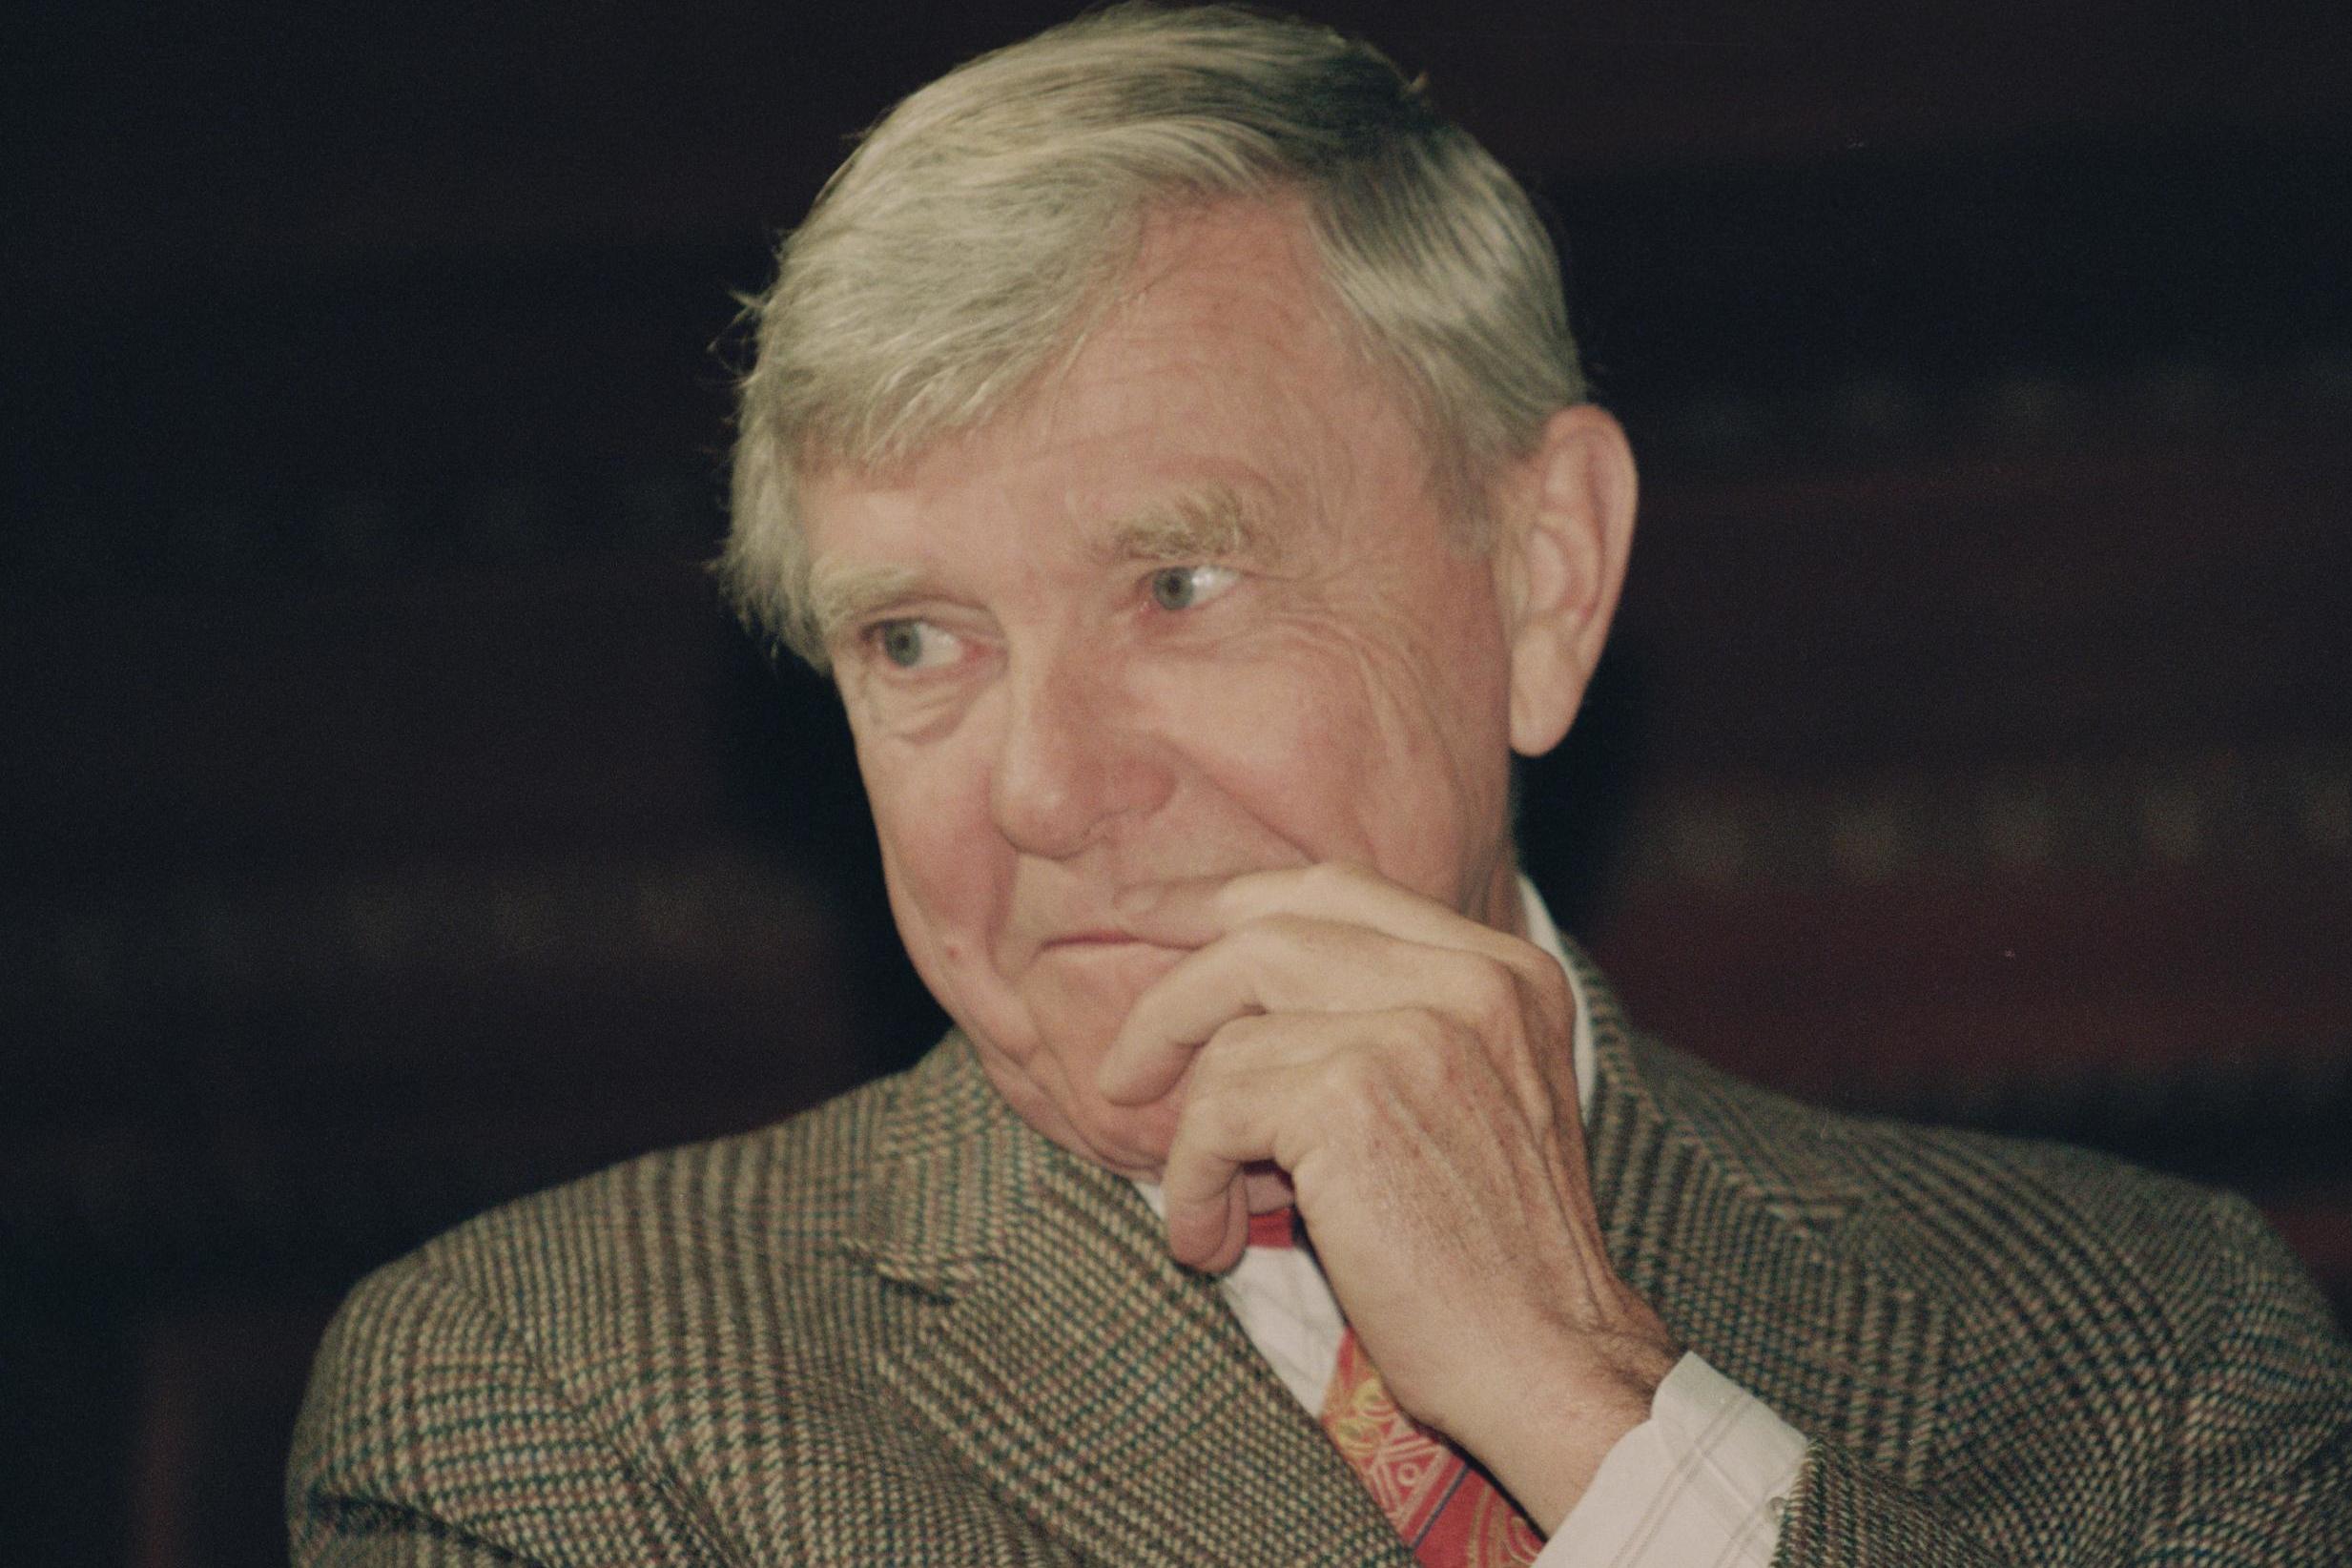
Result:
{"points": [[1084, 941]]}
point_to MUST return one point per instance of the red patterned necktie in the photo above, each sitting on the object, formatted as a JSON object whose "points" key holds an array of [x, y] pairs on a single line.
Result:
{"points": [[1445, 1508]]}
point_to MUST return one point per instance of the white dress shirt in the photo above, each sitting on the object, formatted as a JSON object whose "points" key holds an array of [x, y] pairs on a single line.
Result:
{"points": [[1700, 1484]]}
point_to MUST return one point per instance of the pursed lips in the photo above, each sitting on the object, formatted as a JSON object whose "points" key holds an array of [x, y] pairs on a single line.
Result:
{"points": [[1091, 938], [1107, 949]]}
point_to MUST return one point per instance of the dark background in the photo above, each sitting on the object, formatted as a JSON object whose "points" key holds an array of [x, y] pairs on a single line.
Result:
{"points": [[394, 823]]}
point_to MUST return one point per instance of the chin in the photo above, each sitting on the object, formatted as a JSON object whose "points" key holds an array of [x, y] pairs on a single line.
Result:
{"points": [[1070, 1005], [1128, 1141], [1133, 1141]]}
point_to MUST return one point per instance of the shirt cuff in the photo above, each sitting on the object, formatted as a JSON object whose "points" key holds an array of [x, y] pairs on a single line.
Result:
{"points": [[1702, 1481]]}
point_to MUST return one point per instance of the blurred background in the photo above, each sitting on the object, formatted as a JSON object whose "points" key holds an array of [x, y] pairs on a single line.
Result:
{"points": [[394, 823]]}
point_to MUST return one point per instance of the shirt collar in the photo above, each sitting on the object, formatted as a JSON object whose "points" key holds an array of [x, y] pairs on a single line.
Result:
{"points": [[1543, 933]]}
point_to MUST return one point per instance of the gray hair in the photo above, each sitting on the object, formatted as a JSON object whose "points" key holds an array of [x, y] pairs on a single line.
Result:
{"points": [[985, 225]]}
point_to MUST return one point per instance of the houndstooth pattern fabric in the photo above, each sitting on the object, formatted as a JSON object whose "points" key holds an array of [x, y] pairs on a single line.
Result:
{"points": [[903, 1330]]}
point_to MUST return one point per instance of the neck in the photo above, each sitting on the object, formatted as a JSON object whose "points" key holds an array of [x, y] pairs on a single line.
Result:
{"points": [[1503, 907]]}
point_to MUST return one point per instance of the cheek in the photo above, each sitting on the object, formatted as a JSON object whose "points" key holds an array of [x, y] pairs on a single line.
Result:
{"points": [[1355, 748], [1383, 757], [1266, 744], [945, 882]]}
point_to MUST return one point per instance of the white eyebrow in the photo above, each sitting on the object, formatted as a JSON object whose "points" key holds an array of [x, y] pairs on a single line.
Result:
{"points": [[1208, 523], [1203, 523], [841, 596]]}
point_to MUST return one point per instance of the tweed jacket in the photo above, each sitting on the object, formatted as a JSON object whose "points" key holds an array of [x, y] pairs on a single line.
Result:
{"points": [[905, 1329]]}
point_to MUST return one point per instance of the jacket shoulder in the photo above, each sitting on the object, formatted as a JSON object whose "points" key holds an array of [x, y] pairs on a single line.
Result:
{"points": [[763, 1215], [2073, 1314], [1947, 1209], [2098, 1358], [795, 1187], [565, 1343]]}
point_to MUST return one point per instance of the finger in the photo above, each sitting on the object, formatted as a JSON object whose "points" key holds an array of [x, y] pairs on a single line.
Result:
{"points": [[1194, 912], [1211, 1231], [1181, 911], [1237, 1121], [1266, 967], [1286, 963], [1280, 1090]]}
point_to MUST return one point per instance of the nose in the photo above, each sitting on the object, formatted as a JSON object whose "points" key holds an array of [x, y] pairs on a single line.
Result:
{"points": [[1073, 759]]}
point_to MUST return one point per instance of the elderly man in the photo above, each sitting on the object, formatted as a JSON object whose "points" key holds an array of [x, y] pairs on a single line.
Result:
{"points": [[1168, 434]]}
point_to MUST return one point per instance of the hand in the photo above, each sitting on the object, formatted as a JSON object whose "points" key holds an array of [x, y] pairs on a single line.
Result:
{"points": [[1410, 1069]]}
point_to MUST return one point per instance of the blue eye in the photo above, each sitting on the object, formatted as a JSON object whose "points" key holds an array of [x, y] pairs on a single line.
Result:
{"points": [[913, 645], [902, 643], [1185, 587]]}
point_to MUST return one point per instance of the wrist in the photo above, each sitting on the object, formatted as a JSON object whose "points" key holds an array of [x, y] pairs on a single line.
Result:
{"points": [[1545, 1437]]}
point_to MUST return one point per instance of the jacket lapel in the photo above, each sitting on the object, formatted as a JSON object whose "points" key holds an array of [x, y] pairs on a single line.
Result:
{"points": [[1718, 1212], [1098, 1388], [1109, 1396]]}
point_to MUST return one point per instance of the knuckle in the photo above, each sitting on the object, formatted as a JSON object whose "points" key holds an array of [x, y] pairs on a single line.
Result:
{"points": [[1206, 1075], [1439, 1029], [1210, 1123], [1352, 1077], [1485, 994], [1494, 992], [1223, 1055], [1426, 1036], [1549, 982]]}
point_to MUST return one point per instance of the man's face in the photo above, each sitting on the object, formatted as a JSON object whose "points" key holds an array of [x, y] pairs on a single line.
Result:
{"points": [[1189, 610]]}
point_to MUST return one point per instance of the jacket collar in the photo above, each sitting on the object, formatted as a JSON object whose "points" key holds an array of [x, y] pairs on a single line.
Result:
{"points": [[1731, 1210], [1097, 1386], [1109, 1395]]}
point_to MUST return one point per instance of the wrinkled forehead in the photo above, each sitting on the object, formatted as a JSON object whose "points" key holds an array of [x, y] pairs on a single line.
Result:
{"points": [[1214, 410], [1232, 293]]}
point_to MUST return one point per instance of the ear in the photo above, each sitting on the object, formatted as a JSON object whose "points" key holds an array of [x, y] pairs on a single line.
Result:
{"points": [[1565, 537]]}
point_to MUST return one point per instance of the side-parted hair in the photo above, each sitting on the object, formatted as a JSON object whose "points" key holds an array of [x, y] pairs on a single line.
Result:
{"points": [[979, 231]]}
